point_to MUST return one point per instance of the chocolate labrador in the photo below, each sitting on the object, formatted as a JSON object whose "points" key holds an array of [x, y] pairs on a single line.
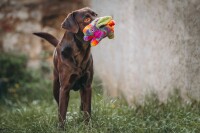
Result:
{"points": [[73, 63]]}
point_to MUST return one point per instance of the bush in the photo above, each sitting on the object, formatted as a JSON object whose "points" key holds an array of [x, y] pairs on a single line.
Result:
{"points": [[16, 81], [12, 72]]}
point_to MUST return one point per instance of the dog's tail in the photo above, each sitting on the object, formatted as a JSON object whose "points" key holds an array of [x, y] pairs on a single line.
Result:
{"points": [[51, 39]]}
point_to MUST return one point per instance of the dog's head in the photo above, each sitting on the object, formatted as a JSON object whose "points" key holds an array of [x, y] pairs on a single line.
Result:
{"points": [[77, 20]]}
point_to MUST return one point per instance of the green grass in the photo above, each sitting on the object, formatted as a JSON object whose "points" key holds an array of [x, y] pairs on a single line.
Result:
{"points": [[35, 111]]}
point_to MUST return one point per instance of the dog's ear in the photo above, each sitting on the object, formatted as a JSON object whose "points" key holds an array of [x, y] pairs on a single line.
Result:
{"points": [[70, 23]]}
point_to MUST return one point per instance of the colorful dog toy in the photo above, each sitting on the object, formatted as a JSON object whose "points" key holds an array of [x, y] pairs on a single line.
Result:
{"points": [[98, 29]]}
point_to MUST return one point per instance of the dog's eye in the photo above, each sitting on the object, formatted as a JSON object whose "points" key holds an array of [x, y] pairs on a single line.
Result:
{"points": [[87, 20]]}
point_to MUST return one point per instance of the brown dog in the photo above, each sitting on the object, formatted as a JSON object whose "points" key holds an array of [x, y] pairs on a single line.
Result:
{"points": [[73, 63]]}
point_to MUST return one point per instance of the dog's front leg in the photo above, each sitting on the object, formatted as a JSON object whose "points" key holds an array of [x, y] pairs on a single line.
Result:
{"points": [[63, 104], [86, 95]]}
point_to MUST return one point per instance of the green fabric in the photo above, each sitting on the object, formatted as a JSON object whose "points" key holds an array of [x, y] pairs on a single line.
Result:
{"points": [[103, 21], [111, 36]]}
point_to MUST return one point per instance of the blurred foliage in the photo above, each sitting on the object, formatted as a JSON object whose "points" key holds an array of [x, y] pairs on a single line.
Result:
{"points": [[12, 72], [16, 81]]}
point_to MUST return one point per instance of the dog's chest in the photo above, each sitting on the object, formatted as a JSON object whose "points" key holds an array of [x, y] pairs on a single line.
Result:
{"points": [[80, 83], [82, 76], [82, 57]]}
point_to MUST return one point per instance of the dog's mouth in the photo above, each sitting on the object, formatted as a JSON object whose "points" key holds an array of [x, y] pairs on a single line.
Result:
{"points": [[102, 22], [99, 29]]}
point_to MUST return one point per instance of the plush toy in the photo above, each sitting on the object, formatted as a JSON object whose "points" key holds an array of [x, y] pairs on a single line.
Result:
{"points": [[98, 29]]}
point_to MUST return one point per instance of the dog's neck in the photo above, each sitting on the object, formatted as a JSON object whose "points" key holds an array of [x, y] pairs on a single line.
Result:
{"points": [[85, 49], [79, 37], [81, 50]]}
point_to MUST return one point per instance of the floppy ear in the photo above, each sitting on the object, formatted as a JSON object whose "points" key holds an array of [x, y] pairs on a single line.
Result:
{"points": [[70, 23]]}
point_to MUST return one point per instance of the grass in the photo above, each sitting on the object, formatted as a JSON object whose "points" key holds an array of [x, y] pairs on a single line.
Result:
{"points": [[35, 111]]}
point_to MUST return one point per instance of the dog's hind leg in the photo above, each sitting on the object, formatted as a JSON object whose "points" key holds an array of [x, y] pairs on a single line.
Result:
{"points": [[56, 86]]}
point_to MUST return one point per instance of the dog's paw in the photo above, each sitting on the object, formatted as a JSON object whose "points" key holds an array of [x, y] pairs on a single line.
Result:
{"points": [[61, 127]]}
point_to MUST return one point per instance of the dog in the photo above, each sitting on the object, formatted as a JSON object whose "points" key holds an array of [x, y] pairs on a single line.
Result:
{"points": [[73, 62]]}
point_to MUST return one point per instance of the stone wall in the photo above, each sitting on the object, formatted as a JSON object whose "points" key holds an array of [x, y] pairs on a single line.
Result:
{"points": [[20, 18], [156, 48]]}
